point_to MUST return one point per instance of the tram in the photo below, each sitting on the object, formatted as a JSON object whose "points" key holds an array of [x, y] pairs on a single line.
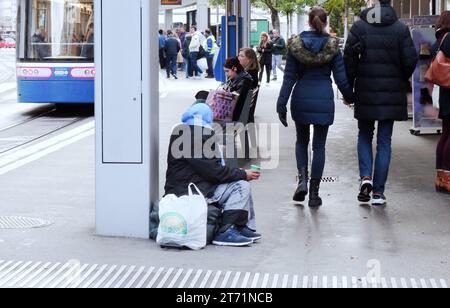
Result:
{"points": [[55, 51]]}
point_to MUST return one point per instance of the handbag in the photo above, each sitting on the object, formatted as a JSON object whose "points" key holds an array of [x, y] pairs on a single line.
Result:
{"points": [[183, 220], [439, 71], [223, 103]]}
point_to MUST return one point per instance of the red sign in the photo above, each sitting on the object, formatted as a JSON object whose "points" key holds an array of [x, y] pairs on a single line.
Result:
{"points": [[171, 2]]}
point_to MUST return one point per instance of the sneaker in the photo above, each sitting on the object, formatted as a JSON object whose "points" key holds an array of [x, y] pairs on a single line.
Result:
{"points": [[379, 200], [365, 190], [249, 233], [275, 79], [232, 238]]}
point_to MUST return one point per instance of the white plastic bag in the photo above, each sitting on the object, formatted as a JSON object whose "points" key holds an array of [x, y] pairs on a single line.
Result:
{"points": [[436, 94], [203, 64], [183, 220]]}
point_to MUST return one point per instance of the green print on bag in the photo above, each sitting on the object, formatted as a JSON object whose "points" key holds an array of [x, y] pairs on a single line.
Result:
{"points": [[174, 223]]}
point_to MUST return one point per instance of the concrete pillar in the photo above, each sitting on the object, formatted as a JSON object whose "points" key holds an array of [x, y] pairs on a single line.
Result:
{"points": [[168, 19], [246, 13], [202, 15], [126, 116]]}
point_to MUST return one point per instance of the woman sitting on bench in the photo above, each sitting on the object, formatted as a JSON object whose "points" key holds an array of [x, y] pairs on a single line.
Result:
{"points": [[240, 82]]}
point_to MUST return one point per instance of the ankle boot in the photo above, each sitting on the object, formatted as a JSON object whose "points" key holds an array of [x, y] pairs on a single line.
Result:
{"points": [[439, 177], [445, 180], [302, 189], [314, 199]]}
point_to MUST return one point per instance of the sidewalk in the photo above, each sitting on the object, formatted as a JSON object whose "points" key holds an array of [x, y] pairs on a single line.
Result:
{"points": [[410, 238]]}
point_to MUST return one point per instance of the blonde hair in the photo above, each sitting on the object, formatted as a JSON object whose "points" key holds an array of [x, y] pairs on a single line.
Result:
{"points": [[250, 54], [267, 41]]}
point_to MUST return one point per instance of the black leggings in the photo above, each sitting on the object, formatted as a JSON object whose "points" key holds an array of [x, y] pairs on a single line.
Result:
{"points": [[443, 148], [268, 72]]}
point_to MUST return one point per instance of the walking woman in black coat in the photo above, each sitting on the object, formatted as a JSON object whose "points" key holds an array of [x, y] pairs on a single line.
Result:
{"points": [[265, 50], [443, 148]]}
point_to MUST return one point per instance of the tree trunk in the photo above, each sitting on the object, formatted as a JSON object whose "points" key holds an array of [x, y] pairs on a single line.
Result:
{"points": [[275, 19]]}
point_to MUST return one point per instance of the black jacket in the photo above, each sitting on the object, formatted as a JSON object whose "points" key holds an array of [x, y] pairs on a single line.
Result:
{"points": [[444, 99], [206, 173], [279, 46], [254, 74], [265, 54], [242, 84], [172, 46], [380, 58]]}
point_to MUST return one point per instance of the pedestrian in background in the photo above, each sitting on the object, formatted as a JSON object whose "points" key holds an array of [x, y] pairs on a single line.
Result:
{"points": [[187, 57], [249, 60], [265, 49], [279, 49], [162, 42], [380, 58], [443, 148], [312, 58], [171, 48], [210, 47], [194, 49]]}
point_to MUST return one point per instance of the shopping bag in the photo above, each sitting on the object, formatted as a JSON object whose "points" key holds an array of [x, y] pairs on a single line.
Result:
{"points": [[223, 103], [183, 220]]}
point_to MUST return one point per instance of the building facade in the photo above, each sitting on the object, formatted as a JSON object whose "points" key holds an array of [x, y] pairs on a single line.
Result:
{"points": [[410, 8], [8, 13]]}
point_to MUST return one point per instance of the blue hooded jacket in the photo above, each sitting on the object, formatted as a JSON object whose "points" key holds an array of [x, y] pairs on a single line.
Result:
{"points": [[311, 60], [199, 114]]}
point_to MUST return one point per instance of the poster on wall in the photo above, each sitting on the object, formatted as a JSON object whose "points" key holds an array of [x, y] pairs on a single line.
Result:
{"points": [[425, 103]]}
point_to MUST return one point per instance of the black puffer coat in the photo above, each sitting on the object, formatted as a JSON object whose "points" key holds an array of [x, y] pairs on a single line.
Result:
{"points": [[444, 99], [380, 58]]}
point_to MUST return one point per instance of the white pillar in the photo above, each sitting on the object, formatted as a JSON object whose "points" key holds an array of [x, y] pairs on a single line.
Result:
{"points": [[168, 19], [246, 13], [126, 115], [202, 15]]}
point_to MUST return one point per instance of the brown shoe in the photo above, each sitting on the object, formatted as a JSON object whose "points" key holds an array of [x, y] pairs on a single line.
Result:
{"points": [[439, 177], [445, 180]]}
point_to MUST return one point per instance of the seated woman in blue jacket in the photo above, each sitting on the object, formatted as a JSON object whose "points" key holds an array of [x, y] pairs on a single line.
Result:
{"points": [[312, 58]]}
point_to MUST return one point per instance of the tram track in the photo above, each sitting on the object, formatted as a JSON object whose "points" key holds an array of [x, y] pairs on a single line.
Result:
{"points": [[31, 130]]}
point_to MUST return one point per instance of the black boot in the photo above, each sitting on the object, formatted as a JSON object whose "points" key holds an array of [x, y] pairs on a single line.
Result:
{"points": [[302, 189], [314, 199]]}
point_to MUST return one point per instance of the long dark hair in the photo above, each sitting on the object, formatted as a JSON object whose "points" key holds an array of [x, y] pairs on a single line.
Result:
{"points": [[318, 19], [233, 63]]}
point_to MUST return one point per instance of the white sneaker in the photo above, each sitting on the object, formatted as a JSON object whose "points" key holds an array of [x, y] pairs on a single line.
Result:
{"points": [[379, 200]]}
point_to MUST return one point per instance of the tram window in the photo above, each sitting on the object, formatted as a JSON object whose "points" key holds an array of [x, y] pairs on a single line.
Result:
{"points": [[59, 30]]}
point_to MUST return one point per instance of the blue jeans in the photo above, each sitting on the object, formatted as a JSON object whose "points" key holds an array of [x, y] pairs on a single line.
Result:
{"points": [[171, 65], [277, 61], [319, 143], [195, 68], [384, 152]]}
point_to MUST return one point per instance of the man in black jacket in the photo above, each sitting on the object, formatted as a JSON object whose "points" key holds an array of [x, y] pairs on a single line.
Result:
{"points": [[194, 157], [172, 47], [380, 58]]}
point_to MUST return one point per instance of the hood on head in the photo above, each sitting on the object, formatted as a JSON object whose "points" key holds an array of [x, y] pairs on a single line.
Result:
{"points": [[380, 16], [199, 114], [312, 49]]}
